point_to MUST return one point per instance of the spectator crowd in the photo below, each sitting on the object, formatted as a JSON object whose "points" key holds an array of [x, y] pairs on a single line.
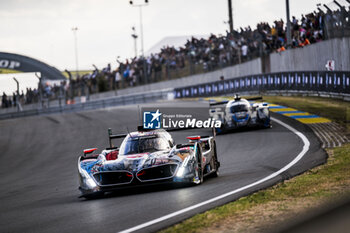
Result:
{"points": [[199, 55]]}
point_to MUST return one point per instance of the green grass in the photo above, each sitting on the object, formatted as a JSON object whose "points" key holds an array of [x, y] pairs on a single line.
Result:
{"points": [[325, 182]]}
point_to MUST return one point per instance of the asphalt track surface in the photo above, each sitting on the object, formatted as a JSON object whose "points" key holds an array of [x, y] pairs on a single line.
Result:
{"points": [[38, 170]]}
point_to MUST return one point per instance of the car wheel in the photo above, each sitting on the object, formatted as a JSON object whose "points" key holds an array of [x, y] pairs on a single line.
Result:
{"points": [[93, 196], [198, 178], [215, 163], [222, 129]]}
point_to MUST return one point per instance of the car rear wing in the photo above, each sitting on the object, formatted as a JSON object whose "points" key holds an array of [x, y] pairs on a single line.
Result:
{"points": [[141, 129], [204, 141], [255, 98], [113, 136], [235, 98], [218, 103], [200, 136]]}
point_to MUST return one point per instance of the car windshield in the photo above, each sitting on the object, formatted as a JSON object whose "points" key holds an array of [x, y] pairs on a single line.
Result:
{"points": [[239, 108], [136, 145]]}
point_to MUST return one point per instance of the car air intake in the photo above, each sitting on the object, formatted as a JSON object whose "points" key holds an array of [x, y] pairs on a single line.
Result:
{"points": [[157, 173], [113, 178]]}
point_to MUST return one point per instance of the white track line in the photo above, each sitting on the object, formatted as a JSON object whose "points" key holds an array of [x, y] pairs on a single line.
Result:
{"points": [[273, 175]]}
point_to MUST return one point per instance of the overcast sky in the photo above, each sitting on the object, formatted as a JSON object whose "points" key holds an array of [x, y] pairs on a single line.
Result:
{"points": [[42, 29]]}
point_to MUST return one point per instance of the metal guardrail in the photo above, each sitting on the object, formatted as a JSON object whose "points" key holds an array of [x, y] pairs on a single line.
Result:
{"points": [[95, 104], [311, 83], [328, 84]]}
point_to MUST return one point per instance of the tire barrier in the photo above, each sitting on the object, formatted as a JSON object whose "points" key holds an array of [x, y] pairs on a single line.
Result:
{"points": [[321, 83]]}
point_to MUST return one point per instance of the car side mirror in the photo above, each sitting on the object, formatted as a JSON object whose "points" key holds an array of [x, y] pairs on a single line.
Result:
{"points": [[89, 151]]}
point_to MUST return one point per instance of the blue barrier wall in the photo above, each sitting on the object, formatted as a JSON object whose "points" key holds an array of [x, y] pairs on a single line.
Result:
{"points": [[308, 81]]}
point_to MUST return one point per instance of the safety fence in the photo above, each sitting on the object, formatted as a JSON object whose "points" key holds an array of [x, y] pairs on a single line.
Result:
{"points": [[329, 84], [315, 82], [95, 104]]}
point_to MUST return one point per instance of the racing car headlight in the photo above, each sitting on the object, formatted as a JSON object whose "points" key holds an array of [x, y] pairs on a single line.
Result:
{"points": [[84, 174], [90, 183], [180, 172]]}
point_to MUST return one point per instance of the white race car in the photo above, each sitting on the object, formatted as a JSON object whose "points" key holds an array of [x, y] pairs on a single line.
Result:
{"points": [[146, 157], [240, 113]]}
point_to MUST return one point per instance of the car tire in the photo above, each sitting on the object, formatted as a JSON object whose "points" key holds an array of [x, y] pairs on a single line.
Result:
{"points": [[198, 179], [215, 162], [94, 196]]}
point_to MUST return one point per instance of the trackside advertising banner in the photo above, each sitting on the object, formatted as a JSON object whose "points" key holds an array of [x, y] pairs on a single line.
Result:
{"points": [[177, 118], [331, 82]]}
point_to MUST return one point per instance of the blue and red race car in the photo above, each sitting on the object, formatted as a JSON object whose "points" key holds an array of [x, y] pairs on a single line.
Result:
{"points": [[146, 157]]}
